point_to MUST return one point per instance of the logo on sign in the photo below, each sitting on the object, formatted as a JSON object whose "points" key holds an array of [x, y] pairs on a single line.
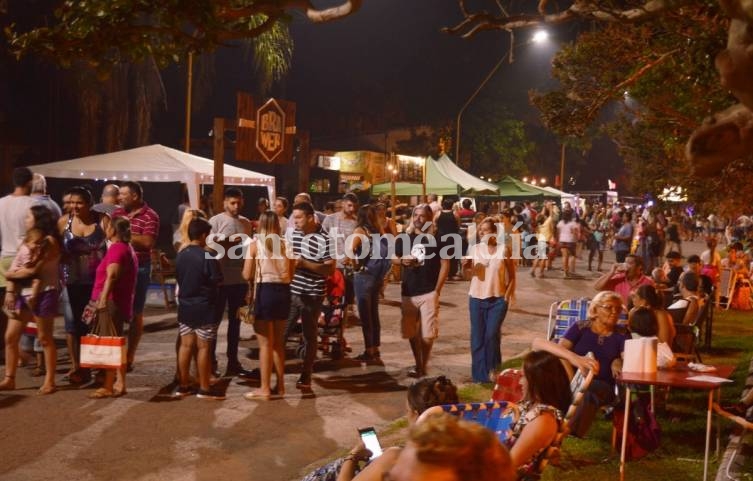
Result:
{"points": [[270, 132]]}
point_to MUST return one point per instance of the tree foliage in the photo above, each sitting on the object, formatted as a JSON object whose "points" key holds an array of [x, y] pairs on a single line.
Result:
{"points": [[497, 141], [661, 74], [104, 33]]}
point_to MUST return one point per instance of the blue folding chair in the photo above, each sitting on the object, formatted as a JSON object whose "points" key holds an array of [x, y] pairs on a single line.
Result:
{"points": [[499, 417], [563, 314]]}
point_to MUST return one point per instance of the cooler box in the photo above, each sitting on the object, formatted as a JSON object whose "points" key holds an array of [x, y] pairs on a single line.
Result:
{"points": [[155, 297]]}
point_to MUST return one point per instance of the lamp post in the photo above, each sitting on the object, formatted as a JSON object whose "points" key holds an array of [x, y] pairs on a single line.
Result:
{"points": [[392, 168], [540, 36]]}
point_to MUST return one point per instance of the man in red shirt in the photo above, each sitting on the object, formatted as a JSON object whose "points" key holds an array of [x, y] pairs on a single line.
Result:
{"points": [[144, 232], [625, 278]]}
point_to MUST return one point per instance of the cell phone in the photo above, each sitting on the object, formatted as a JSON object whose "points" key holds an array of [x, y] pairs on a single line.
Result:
{"points": [[370, 440]]}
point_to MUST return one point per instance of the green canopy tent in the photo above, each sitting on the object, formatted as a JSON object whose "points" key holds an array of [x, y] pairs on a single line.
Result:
{"points": [[443, 177], [436, 183], [514, 189]]}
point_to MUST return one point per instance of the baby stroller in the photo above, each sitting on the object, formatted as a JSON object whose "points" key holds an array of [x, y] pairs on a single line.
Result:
{"points": [[331, 319]]}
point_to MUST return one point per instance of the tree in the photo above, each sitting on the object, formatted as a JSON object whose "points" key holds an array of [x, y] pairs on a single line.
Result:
{"points": [[632, 65], [728, 135], [116, 103], [104, 33], [498, 143]]}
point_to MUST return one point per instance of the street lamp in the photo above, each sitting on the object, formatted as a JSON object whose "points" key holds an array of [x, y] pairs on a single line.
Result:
{"points": [[541, 36]]}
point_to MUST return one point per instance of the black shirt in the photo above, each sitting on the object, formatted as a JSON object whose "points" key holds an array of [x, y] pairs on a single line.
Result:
{"points": [[199, 276], [421, 279]]}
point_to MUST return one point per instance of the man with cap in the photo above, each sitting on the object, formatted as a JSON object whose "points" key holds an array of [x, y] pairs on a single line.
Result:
{"points": [[673, 268]]}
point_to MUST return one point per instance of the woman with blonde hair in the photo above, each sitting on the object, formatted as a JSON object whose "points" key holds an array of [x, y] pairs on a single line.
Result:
{"points": [[180, 238], [269, 272]]}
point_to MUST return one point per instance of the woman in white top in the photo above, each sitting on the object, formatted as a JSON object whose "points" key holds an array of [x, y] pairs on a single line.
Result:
{"points": [[568, 234], [270, 271], [492, 288]]}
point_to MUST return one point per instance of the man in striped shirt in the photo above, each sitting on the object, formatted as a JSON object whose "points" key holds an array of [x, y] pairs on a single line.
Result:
{"points": [[144, 232], [311, 244]]}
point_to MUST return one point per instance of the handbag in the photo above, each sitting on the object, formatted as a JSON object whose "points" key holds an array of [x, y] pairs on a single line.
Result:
{"points": [[103, 348], [247, 313]]}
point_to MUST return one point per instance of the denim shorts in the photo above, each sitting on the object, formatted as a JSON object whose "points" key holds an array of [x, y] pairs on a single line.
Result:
{"points": [[142, 286]]}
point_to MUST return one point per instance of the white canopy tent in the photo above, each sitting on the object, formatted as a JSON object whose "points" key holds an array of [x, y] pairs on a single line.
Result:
{"points": [[563, 195], [154, 163], [467, 181]]}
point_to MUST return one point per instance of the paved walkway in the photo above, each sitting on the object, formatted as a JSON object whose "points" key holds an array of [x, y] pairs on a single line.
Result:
{"points": [[149, 435]]}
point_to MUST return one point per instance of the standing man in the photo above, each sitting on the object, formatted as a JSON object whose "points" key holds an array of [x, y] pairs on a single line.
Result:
{"points": [[13, 211], [311, 245], [109, 200], [232, 227], [144, 232], [424, 275], [39, 194], [340, 226]]}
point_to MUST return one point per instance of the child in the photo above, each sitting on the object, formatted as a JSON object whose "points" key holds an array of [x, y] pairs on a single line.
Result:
{"points": [[199, 277], [23, 272]]}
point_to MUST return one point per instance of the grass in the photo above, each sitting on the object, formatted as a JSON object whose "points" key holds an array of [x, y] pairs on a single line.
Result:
{"points": [[682, 419]]}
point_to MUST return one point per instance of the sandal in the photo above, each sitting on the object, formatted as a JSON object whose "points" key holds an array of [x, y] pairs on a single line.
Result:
{"points": [[101, 393], [8, 384], [119, 392], [46, 390]]}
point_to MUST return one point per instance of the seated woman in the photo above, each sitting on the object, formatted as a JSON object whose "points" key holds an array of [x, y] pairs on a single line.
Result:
{"points": [[600, 335], [647, 296], [643, 322], [422, 395], [546, 398]]}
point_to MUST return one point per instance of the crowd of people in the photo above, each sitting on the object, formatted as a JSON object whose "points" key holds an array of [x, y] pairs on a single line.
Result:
{"points": [[87, 256]]}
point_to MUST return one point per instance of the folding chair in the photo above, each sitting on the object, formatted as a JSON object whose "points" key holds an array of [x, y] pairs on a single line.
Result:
{"points": [[742, 422], [563, 314], [162, 270], [499, 417], [579, 384], [687, 339]]}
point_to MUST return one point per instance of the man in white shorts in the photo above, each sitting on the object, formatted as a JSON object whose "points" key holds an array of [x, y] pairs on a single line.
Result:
{"points": [[424, 275]]}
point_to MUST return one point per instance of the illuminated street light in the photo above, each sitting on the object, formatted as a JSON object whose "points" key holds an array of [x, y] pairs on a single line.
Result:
{"points": [[540, 37]]}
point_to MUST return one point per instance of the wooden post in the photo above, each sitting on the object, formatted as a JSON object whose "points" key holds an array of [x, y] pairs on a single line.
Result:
{"points": [[189, 93], [219, 164]]}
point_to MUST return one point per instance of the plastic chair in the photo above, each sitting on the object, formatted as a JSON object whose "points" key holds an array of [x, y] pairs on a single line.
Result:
{"points": [[499, 417], [507, 387]]}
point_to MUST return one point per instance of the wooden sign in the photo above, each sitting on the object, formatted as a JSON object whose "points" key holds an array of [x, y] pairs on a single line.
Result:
{"points": [[265, 134]]}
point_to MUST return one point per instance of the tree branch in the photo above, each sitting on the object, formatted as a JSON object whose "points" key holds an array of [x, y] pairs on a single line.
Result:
{"points": [[474, 23]]}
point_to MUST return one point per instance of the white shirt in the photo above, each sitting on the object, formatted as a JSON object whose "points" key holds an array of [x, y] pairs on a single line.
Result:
{"points": [[13, 212]]}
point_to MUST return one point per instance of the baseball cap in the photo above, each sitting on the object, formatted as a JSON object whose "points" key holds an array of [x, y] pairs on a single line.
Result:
{"points": [[674, 255]]}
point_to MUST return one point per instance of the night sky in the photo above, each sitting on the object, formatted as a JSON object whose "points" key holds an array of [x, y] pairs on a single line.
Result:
{"points": [[391, 64], [388, 64]]}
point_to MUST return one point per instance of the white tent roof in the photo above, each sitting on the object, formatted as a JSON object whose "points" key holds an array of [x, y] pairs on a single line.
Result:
{"points": [[558, 192], [467, 181], [154, 163]]}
